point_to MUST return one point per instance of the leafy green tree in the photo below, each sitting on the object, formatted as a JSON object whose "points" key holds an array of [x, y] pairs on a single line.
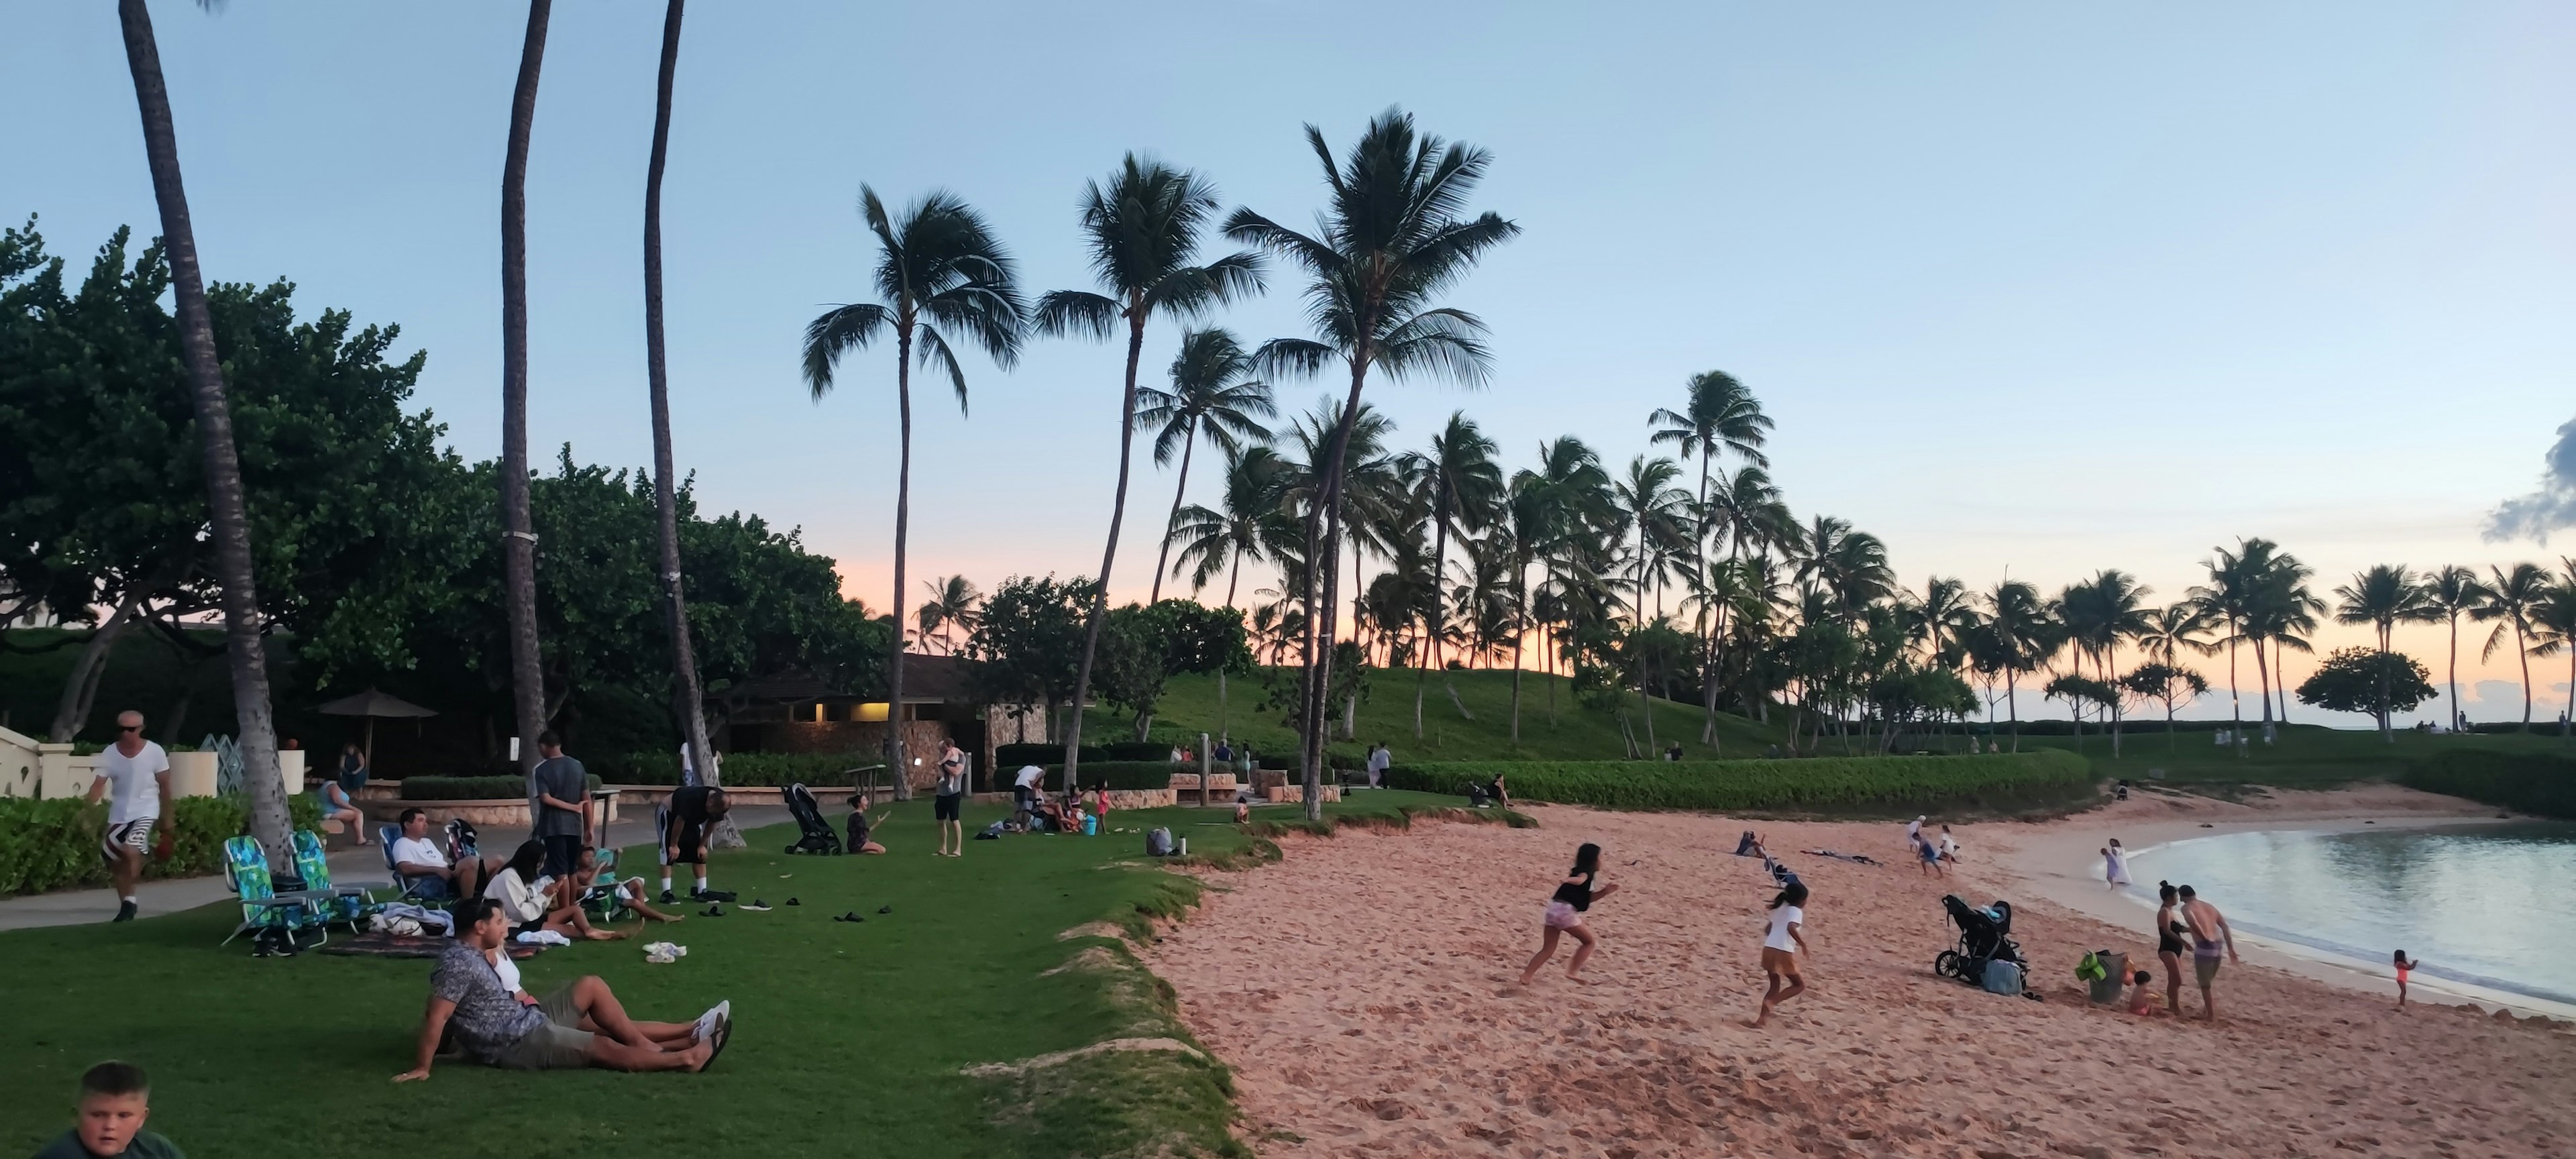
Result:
{"points": [[2365, 680], [2168, 685], [1393, 236], [939, 271], [2081, 691], [952, 602], [1213, 391], [1030, 641], [2383, 597]]}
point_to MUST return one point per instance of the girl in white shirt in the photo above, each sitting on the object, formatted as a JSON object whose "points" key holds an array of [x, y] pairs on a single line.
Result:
{"points": [[532, 903], [1781, 946]]}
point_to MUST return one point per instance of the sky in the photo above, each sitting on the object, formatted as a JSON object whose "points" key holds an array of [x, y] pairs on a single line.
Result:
{"points": [[2029, 289]]}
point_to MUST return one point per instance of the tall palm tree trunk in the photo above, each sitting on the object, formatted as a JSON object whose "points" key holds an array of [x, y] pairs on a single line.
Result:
{"points": [[227, 504], [894, 749], [518, 535], [687, 700], [1109, 553], [2454, 675], [1322, 521], [1163, 561], [2523, 654]]}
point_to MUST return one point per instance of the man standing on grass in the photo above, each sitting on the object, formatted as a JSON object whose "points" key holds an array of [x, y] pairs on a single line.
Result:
{"points": [[947, 804], [1378, 760], [134, 774], [560, 789]]}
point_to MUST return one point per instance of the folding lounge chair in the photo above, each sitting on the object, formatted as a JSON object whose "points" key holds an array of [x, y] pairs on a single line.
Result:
{"points": [[410, 887], [601, 898], [349, 903], [266, 910]]}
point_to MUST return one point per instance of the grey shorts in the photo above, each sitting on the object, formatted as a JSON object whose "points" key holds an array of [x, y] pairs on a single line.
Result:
{"points": [[2205, 967], [559, 1044]]}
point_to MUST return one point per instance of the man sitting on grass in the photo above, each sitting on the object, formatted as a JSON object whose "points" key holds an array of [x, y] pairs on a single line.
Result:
{"points": [[115, 1100], [419, 859], [474, 991]]}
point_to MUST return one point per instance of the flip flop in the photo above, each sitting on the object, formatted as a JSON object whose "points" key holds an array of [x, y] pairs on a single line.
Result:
{"points": [[793, 901], [717, 1040], [713, 911], [885, 909]]}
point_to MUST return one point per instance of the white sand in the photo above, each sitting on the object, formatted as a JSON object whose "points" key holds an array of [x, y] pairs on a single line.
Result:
{"points": [[1363, 991]]}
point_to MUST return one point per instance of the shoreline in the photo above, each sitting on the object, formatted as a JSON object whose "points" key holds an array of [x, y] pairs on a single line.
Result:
{"points": [[2065, 868]]}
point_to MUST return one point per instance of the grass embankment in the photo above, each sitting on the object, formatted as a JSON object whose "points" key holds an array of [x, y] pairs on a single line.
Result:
{"points": [[2543, 784], [1572, 732], [1843, 786], [853, 1039], [2304, 757]]}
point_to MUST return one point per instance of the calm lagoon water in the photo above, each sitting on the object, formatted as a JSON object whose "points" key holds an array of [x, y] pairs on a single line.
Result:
{"points": [[2490, 905]]}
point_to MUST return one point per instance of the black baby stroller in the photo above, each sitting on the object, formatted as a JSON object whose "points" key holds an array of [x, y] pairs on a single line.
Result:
{"points": [[814, 834], [1984, 935]]}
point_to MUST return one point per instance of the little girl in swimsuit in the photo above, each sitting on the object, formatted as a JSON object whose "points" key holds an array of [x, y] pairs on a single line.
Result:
{"points": [[2405, 966], [1565, 908]]}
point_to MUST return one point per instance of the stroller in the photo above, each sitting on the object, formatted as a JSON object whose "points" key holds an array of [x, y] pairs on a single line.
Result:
{"points": [[1984, 935], [814, 834]]}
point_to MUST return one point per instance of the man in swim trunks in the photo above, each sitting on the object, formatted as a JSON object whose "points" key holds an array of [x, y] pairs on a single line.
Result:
{"points": [[134, 776], [2209, 938]]}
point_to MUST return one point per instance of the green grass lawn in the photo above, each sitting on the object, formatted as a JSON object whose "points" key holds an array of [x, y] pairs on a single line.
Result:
{"points": [[1190, 705], [850, 1038], [2305, 756]]}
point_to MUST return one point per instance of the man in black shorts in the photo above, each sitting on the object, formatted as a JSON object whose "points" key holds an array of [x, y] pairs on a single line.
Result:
{"points": [[952, 796], [693, 810]]}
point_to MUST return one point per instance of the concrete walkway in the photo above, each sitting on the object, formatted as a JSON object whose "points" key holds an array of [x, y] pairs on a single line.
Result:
{"points": [[351, 866]]}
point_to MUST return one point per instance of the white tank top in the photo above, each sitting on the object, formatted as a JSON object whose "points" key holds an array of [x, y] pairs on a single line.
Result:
{"points": [[1781, 919]]}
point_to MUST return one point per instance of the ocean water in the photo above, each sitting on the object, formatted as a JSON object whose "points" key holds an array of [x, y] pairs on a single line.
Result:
{"points": [[2489, 905]]}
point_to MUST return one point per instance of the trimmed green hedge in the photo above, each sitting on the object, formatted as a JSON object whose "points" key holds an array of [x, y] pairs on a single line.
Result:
{"points": [[51, 845], [1839, 784], [2537, 783], [1118, 774], [1016, 756], [470, 788], [741, 770]]}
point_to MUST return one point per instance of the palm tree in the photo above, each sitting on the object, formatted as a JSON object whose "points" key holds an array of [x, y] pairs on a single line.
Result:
{"points": [[2017, 625], [2382, 597], [687, 702], [953, 602], [518, 536], [2510, 598], [226, 503], [2284, 609], [2230, 598], [938, 265], [1465, 484], [1648, 504], [1392, 238], [2553, 629], [1143, 233], [2454, 590], [1718, 413], [1212, 389]]}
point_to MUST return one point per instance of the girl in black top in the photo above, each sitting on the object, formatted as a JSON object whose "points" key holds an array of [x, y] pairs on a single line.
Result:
{"points": [[1574, 895]]}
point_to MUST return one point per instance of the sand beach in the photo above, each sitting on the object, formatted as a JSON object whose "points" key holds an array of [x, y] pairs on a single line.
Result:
{"points": [[1363, 990]]}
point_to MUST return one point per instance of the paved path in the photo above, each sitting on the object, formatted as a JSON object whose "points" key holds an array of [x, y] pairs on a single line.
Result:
{"points": [[78, 906]]}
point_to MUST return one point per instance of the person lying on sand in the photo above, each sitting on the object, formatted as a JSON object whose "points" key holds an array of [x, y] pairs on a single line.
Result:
{"points": [[1565, 909], [1784, 940]]}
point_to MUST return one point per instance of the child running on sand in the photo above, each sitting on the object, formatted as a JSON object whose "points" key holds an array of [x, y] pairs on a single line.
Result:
{"points": [[2405, 966], [1565, 910], [1781, 945]]}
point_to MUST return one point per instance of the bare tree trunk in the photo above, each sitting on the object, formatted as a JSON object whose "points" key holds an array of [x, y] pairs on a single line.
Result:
{"points": [[226, 503], [1163, 560], [518, 535], [1109, 553], [688, 702], [894, 750], [80, 689], [1322, 521]]}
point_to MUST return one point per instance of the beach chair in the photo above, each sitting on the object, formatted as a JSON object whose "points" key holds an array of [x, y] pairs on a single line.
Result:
{"points": [[601, 898], [407, 888], [350, 903], [271, 916]]}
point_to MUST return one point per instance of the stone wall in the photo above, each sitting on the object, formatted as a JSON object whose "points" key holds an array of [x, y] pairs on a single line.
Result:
{"points": [[922, 741]]}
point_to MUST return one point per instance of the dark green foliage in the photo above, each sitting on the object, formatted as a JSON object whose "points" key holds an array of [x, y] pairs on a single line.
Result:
{"points": [[50, 845], [1155, 774], [2537, 783], [2350, 679], [1838, 784], [1012, 756], [741, 770], [494, 788], [1129, 750], [1030, 641]]}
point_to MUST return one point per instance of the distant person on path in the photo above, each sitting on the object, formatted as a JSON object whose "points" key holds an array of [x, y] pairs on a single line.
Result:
{"points": [[1673, 752], [336, 806], [1378, 760], [115, 1102], [949, 801], [2115, 865], [1565, 909], [559, 789], [1782, 942], [2170, 946], [1224, 752], [134, 775], [2405, 966], [579, 1025], [418, 858], [693, 811], [353, 768], [2209, 936]]}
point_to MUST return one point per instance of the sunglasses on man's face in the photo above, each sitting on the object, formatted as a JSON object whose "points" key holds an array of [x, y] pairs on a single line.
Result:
{"points": [[129, 728]]}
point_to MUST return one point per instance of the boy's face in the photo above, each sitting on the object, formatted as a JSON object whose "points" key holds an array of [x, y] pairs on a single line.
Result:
{"points": [[109, 1122]]}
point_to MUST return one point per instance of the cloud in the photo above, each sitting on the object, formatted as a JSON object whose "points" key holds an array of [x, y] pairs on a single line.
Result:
{"points": [[2551, 508]]}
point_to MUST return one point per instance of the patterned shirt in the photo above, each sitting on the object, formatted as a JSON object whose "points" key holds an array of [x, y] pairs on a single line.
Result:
{"points": [[488, 1017]]}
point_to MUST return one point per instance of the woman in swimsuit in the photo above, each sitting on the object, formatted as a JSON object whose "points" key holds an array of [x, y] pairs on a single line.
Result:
{"points": [[1565, 909], [2169, 944], [1781, 945]]}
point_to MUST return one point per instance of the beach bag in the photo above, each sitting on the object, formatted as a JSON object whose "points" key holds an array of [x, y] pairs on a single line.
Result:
{"points": [[2003, 976], [1158, 843], [2091, 968]]}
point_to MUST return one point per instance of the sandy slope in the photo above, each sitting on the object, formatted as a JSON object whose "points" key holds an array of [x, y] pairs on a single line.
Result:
{"points": [[1362, 989]]}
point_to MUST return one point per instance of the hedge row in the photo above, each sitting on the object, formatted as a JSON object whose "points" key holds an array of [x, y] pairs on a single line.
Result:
{"points": [[1116, 774], [470, 788], [746, 770], [2536, 783], [1841, 784], [1013, 756], [53, 844]]}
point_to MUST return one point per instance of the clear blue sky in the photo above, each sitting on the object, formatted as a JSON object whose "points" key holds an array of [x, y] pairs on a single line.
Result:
{"points": [[2026, 286]]}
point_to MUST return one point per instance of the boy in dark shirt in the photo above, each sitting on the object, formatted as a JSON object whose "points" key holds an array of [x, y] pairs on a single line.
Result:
{"points": [[115, 1100]]}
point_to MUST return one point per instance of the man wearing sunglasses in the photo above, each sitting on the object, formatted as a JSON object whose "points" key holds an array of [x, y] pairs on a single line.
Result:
{"points": [[134, 774]]}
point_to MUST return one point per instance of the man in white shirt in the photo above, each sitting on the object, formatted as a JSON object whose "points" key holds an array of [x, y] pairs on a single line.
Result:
{"points": [[417, 857], [1378, 760], [1024, 789], [134, 776]]}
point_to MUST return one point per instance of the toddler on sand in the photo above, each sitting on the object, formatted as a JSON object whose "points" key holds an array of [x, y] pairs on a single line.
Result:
{"points": [[2142, 998]]}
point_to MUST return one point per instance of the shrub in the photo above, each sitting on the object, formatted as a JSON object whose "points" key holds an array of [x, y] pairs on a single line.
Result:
{"points": [[741, 770], [1013, 756], [1118, 774], [470, 788], [1865, 784], [1134, 750], [50, 845], [2536, 783]]}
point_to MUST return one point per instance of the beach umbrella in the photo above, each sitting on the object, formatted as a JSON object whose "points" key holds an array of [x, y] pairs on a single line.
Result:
{"points": [[372, 704]]}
